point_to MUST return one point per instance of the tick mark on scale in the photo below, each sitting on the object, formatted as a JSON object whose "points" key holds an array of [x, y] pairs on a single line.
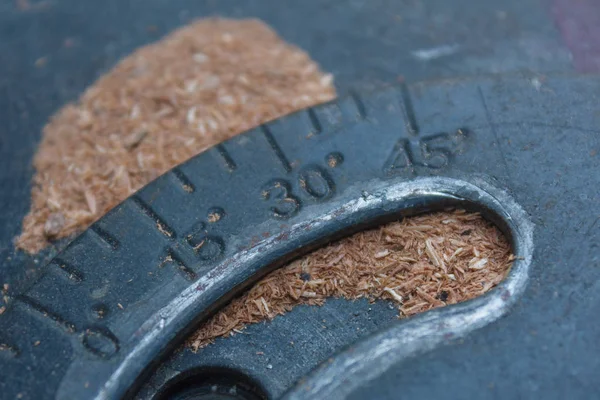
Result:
{"points": [[105, 237], [276, 149], [161, 226], [183, 180], [67, 270], [229, 163], [43, 311]]}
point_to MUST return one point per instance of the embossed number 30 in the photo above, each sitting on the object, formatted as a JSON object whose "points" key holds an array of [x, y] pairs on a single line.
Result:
{"points": [[315, 183], [284, 204]]}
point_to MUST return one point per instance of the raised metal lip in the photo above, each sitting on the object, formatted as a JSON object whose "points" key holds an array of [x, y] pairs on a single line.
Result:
{"points": [[340, 376], [405, 338]]}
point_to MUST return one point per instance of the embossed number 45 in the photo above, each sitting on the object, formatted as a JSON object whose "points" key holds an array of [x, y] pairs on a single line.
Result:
{"points": [[434, 151]]}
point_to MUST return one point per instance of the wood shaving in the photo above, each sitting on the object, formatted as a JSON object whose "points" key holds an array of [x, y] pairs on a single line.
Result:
{"points": [[158, 107], [418, 263]]}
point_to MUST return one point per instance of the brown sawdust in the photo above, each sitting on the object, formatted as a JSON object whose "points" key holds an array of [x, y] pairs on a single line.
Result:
{"points": [[159, 106], [418, 263]]}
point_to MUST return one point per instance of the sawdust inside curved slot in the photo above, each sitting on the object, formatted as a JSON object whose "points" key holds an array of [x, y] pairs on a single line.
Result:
{"points": [[418, 263]]}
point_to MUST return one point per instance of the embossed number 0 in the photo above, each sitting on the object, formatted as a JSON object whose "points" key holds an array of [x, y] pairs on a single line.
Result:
{"points": [[316, 183]]}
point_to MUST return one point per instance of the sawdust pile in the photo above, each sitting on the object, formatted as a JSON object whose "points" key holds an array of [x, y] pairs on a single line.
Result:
{"points": [[161, 105], [419, 263]]}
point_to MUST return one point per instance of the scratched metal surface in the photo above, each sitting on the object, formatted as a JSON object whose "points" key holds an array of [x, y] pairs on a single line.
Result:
{"points": [[365, 44]]}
